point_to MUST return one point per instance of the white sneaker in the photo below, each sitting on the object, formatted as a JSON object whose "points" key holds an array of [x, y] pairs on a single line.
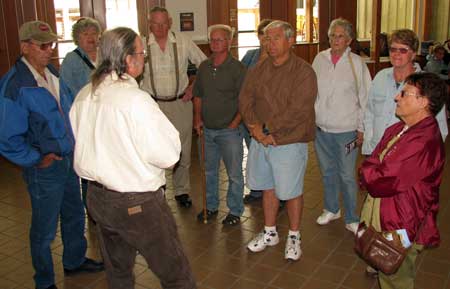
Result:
{"points": [[352, 227], [292, 251], [262, 240], [327, 217]]}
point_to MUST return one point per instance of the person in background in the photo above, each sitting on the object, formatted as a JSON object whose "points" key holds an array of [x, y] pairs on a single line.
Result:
{"points": [[447, 51], [35, 134], [343, 81], [281, 131], [380, 110], [165, 79], [216, 116], [250, 59], [436, 62], [78, 64], [124, 143], [404, 172]]}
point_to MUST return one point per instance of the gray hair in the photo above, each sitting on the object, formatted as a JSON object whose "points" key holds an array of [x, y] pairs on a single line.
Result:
{"points": [[159, 9], [289, 32], [115, 46], [344, 23], [227, 29], [81, 25], [405, 37]]}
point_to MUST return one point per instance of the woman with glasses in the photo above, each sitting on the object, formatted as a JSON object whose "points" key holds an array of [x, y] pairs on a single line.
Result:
{"points": [[343, 80], [380, 110], [77, 65], [404, 172]]}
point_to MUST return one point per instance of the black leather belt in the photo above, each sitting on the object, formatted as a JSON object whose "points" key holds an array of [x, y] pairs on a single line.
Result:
{"points": [[97, 184], [168, 99]]}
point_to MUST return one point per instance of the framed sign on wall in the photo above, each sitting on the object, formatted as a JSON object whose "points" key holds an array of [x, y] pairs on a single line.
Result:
{"points": [[187, 21]]}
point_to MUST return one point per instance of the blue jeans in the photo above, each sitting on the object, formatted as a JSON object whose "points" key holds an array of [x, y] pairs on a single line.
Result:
{"points": [[55, 192], [224, 144], [338, 171]]}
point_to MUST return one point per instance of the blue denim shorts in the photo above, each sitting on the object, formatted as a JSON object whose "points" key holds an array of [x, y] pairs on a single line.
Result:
{"points": [[277, 167]]}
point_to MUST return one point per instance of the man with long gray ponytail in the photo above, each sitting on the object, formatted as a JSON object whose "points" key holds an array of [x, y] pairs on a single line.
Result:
{"points": [[123, 144]]}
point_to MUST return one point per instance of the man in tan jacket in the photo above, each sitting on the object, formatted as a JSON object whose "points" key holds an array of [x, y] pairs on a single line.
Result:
{"points": [[277, 105]]}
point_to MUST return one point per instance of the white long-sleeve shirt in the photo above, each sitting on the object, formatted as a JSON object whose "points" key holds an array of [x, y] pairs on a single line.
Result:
{"points": [[340, 102], [123, 140]]}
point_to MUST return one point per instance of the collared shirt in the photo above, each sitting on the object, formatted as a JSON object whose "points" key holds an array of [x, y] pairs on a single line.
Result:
{"points": [[123, 140], [281, 97], [74, 71], [219, 87], [341, 99], [380, 110], [50, 82], [163, 63]]}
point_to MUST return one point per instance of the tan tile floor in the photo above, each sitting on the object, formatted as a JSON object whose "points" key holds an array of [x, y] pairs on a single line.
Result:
{"points": [[218, 254]]}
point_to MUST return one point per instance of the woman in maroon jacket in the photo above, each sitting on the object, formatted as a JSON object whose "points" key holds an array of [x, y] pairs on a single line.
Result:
{"points": [[404, 173]]}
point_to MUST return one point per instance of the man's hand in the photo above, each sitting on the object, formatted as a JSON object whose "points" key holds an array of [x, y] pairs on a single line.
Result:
{"points": [[359, 138], [48, 160], [256, 132], [268, 140], [198, 124], [188, 93]]}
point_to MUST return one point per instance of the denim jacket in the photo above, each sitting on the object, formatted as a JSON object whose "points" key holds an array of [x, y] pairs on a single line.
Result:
{"points": [[74, 71]]}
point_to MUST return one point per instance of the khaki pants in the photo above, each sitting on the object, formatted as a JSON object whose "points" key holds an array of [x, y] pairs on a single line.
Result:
{"points": [[180, 114], [404, 277]]}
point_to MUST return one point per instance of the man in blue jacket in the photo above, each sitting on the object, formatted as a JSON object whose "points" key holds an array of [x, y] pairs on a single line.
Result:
{"points": [[35, 134]]}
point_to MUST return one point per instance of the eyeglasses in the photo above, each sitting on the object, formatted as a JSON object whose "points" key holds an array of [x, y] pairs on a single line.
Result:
{"points": [[159, 25], [402, 50], [220, 40], [337, 36], [405, 93], [144, 53], [45, 46]]}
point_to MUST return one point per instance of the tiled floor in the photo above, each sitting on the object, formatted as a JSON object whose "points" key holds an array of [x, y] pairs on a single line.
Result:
{"points": [[218, 254]]}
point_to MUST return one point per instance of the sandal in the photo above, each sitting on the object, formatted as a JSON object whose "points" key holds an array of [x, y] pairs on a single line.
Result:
{"points": [[209, 215], [231, 220]]}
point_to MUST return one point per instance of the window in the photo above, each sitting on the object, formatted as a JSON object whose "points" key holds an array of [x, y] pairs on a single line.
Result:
{"points": [[121, 13], [303, 18], [248, 21], [67, 13], [394, 15]]}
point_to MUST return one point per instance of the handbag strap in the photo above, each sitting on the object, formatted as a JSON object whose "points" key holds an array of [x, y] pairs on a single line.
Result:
{"points": [[353, 72], [85, 59]]}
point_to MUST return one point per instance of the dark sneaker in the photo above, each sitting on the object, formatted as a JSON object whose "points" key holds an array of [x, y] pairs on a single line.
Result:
{"points": [[209, 215], [89, 266], [251, 198], [231, 220], [50, 287], [184, 200]]}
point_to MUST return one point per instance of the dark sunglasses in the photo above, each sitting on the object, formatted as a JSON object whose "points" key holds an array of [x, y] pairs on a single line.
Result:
{"points": [[45, 46], [401, 50]]}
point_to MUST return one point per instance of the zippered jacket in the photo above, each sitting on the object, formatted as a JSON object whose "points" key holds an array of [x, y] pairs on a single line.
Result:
{"points": [[32, 123]]}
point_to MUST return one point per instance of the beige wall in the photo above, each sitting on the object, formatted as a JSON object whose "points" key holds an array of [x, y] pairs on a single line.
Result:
{"points": [[440, 21]]}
